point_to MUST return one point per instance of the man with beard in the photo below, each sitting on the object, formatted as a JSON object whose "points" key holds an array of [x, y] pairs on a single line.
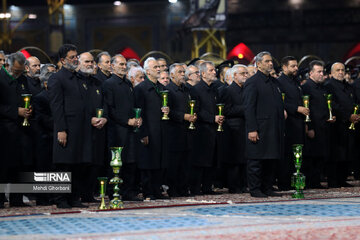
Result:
{"points": [[136, 75], [104, 66], [70, 103], [234, 113], [32, 67], [207, 152], [342, 138], [294, 124], [12, 114], [177, 157], [120, 101], [192, 75], [264, 119], [317, 141], [94, 101], [152, 132]]}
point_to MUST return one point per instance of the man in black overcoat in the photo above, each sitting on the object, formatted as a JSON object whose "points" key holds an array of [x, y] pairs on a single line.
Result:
{"points": [[342, 138], [152, 132], [103, 60], [120, 101], [12, 113], [207, 148], [178, 163], [294, 124], [94, 102], [264, 119], [71, 107], [317, 141], [235, 121]]}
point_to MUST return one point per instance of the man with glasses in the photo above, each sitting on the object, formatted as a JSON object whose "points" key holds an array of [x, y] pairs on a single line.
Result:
{"points": [[192, 75], [69, 104], [12, 114]]}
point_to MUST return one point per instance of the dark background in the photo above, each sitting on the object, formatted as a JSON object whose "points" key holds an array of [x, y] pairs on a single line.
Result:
{"points": [[327, 28]]}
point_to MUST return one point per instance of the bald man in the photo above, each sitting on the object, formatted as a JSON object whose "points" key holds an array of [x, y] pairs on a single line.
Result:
{"points": [[32, 68], [342, 139]]}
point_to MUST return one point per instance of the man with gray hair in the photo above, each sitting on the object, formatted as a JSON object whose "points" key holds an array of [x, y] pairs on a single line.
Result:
{"points": [[192, 75], [152, 132], [32, 67], [207, 145], [264, 119], [235, 121], [12, 114], [178, 161], [104, 68], [136, 75]]}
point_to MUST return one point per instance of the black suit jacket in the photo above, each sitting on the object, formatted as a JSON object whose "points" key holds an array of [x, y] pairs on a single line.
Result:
{"points": [[264, 113]]}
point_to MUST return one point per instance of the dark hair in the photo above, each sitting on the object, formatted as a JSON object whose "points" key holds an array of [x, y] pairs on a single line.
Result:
{"points": [[285, 60], [64, 49], [315, 63]]}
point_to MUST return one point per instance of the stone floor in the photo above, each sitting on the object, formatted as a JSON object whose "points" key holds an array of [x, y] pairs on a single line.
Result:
{"points": [[323, 214]]}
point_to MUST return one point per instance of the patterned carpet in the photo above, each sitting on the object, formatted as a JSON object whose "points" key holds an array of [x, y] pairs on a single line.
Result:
{"points": [[324, 214]]}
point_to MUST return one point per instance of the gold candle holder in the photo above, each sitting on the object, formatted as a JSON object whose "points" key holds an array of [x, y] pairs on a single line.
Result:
{"points": [[306, 104], [352, 125], [192, 105], [164, 96], [220, 109], [26, 98], [329, 100], [283, 96], [103, 182]]}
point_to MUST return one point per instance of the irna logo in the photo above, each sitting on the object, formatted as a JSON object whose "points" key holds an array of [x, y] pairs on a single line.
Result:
{"points": [[52, 177]]}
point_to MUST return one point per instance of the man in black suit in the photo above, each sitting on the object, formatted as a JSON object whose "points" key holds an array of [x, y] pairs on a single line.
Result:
{"points": [[317, 141], [264, 119], [206, 152], [178, 163], [120, 101], [151, 158], [342, 138], [94, 101], [104, 66], [235, 121], [12, 114], [70, 104], [294, 124]]}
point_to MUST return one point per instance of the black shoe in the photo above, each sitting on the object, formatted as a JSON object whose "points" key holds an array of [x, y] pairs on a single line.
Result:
{"points": [[160, 196], [258, 194], [78, 204], [345, 184], [132, 198], [19, 204], [90, 200], [63, 204], [273, 194]]}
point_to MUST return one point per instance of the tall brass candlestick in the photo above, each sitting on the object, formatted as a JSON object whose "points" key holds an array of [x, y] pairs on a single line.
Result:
{"points": [[192, 105], [102, 181], [220, 108], [352, 125], [298, 179], [164, 96], [116, 163], [26, 98], [137, 116], [328, 100], [306, 104], [99, 112]]}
